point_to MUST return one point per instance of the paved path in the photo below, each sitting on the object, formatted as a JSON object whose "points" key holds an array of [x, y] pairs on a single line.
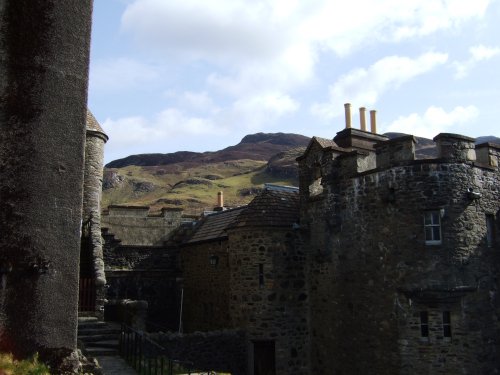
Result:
{"points": [[114, 365]]}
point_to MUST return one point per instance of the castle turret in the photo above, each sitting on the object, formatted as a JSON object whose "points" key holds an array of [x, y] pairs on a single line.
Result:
{"points": [[91, 257]]}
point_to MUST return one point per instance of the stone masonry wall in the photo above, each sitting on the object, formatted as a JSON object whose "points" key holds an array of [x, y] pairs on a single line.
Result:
{"points": [[149, 273], [274, 305], [224, 351], [206, 286], [378, 274], [44, 49], [135, 227]]}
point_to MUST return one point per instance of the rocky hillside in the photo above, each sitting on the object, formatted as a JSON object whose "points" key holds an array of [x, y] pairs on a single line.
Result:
{"points": [[191, 180]]}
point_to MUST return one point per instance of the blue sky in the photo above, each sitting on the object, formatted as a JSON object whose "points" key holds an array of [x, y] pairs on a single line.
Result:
{"points": [[198, 75]]}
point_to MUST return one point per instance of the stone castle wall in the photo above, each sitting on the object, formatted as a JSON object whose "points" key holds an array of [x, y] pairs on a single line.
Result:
{"points": [[268, 292], [206, 286], [372, 273], [134, 225], [148, 273]]}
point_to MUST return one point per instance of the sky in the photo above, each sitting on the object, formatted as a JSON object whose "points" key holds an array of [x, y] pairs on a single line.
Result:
{"points": [[199, 75]]}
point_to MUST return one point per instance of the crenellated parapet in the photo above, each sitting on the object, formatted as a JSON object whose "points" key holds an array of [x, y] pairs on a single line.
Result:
{"points": [[395, 151], [455, 147], [488, 154]]}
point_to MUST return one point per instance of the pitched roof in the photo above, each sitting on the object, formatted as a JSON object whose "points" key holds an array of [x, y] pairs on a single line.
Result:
{"points": [[324, 144], [93, 125], [214, 226], [271, 208]]}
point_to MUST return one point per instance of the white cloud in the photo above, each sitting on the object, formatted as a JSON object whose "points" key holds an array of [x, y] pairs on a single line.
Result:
{"points": [[138, 134], [478, 53], [253, 112], [363, 87], [198, 102], [121, 73], [274, 44], [435, 120]]}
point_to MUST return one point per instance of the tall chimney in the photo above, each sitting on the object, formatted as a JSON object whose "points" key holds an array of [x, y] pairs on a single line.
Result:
{"points": [[220, 199], [373, 121], [347, 107], [362, 118]]}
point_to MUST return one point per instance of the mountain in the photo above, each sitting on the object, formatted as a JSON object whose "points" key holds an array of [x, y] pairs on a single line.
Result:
{"points": [[260, 146], [191, 180]]}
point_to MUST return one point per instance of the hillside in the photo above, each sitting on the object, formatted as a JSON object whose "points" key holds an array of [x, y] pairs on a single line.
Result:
{"points": [[191, 180]]}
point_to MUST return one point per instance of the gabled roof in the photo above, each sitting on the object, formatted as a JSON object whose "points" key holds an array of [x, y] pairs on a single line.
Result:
{"points": [[324, 144], [213, 227], [271, 208]]}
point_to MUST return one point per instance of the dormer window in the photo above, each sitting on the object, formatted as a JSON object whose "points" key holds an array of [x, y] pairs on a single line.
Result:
{"points": [[432, 227]]}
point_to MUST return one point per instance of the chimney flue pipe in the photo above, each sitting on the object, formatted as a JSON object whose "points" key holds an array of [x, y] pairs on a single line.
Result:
{"points": [[347, 107], [362, 118], [373, 121]]}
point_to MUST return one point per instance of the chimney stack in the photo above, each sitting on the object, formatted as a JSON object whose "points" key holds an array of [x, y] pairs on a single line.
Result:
{"points": [[373, 121], [347, 107], [362, 118], [220, 199]]}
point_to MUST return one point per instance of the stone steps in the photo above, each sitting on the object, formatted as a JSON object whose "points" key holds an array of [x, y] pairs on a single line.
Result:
{"points": [[97, 338]]}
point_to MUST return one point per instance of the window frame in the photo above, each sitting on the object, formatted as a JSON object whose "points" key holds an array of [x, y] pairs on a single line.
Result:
{"points": [[261, 275], [424, 325], [432, 225], [446, 324]]}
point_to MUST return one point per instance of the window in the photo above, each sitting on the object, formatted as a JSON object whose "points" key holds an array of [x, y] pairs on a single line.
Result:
{"points": [[446, 324], [424, 324], [261, 275], [490, 230], [432, 225]]}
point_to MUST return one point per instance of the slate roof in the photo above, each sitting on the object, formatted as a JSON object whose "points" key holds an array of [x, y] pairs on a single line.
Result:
{"points": [[271, 208], [324, 144], [93, 125], [213, 227]]}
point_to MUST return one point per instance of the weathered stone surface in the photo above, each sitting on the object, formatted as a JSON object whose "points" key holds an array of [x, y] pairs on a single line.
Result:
{"points": [[44, 55], [371, 272]]}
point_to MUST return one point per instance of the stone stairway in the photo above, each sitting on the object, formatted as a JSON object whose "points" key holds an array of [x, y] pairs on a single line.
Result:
{"points": [[97, 338]]}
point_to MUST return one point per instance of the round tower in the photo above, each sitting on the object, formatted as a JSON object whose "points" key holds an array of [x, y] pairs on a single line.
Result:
{"points": [[92, 278]]}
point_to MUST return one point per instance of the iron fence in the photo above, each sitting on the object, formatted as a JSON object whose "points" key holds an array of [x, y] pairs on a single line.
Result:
{"points": [[149, 358]]}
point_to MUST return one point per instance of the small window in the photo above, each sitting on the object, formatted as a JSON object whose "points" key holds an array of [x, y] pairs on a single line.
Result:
{"points": [[261, 275], [490, 230], [446, 324], [424, 324], [432, 225]]}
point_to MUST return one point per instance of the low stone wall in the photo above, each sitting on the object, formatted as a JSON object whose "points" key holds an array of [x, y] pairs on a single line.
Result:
{"points": [[224, 351]]}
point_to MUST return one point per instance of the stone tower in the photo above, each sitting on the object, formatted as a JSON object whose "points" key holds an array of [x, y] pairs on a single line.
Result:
{"points": [[44, 58], [403, 255], [92, 278]]}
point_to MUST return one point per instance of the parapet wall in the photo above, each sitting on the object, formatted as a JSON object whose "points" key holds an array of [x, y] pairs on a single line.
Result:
{"points": [[134, 225], [452, 148]]}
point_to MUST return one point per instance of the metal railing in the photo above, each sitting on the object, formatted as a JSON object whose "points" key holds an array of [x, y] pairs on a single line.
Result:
{"points": [[149, 358]]}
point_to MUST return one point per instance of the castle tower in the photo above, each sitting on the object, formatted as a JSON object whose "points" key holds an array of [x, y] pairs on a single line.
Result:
{"points": [[44, 49], [92, 278]]}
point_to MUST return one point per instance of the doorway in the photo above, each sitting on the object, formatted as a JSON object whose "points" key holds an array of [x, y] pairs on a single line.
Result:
{"points": [[264, 358]]}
